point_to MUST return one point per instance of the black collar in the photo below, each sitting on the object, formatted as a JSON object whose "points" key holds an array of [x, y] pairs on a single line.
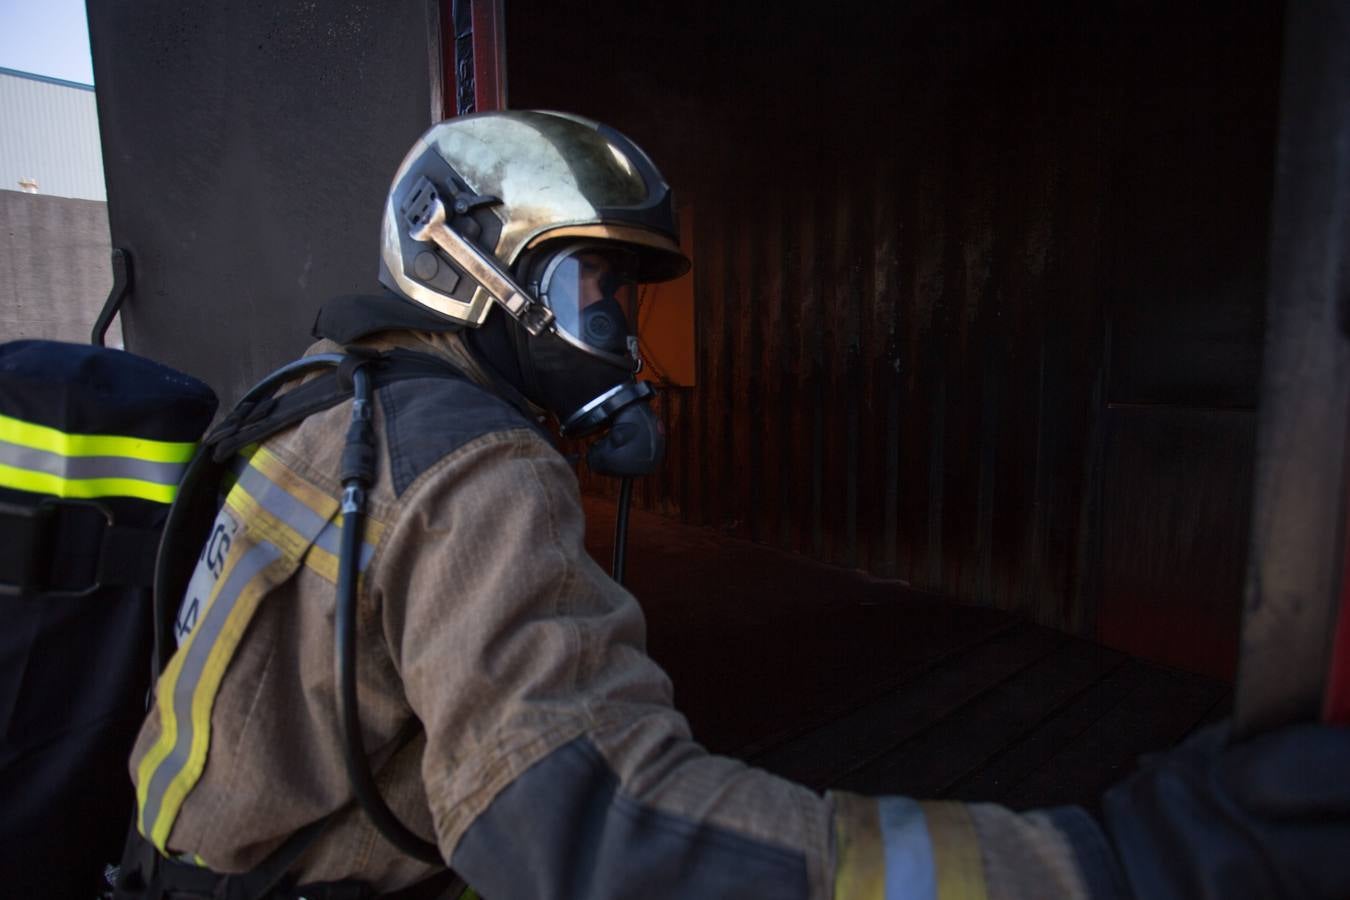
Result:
{"points": [[352, 317]]}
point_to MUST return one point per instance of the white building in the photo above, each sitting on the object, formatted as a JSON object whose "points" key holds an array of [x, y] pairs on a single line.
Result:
{"points": [[54, 245], [49, 137]]}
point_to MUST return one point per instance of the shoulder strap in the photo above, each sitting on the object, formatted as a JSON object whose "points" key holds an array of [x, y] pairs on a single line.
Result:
{"points": [[256, 420]]}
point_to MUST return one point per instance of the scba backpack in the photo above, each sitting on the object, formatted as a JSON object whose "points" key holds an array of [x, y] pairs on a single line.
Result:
{"points": [[93, 445]]}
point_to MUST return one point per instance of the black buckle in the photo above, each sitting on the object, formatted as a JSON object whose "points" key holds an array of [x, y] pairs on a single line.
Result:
{"points": [[32, 551]]}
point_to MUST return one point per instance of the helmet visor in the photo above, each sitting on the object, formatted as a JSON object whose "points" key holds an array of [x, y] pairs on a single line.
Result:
{"points": [[592, 289]]}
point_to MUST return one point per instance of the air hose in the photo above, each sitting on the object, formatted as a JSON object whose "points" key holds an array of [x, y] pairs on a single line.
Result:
{"points": [[358, 472], [621, 529]]}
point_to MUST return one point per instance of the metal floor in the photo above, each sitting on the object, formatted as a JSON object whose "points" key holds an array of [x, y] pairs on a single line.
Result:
{"points": [[838, 680]]}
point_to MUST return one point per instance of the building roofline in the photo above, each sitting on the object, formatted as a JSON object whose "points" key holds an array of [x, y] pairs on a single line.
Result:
{"points": [[45, 78]]}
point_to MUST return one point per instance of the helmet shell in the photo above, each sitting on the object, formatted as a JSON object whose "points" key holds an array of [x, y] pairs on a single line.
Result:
{"points": [[519, 179]]}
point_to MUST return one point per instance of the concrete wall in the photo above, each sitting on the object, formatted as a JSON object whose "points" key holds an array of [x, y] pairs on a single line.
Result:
{"points": [[55, 270]]}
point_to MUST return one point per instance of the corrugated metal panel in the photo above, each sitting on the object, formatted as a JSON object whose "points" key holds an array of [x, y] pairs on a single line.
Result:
{"points": [[930, 268], [49, 133]]}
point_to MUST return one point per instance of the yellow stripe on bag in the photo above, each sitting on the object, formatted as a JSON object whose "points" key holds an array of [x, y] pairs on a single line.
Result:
{"points": [[52, 440], [84, 488]]}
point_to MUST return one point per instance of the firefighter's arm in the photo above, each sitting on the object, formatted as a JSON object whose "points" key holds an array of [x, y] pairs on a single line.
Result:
{"points": [[556, 765]]}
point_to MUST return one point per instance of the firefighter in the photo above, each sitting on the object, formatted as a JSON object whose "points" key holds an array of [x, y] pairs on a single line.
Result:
{"points": [[516, 725]]}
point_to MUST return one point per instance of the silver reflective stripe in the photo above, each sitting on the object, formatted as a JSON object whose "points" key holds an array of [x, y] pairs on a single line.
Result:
{"points": [[330, 540], [210, 568], [254, 560], [275, 499], [911, 870], [89, 467], [326, 535]]}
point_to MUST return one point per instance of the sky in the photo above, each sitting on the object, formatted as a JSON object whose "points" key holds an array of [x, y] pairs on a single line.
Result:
{"points": [[46, 37]]}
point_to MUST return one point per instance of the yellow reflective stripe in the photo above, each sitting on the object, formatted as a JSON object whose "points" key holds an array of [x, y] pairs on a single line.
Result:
{"points": [[322, 558], [323, 564], [290, 512], [187, 690], [956, 852], [84, 488], [373, 530], [320, 503], [165, 691], [281, 517], [203, 698], [52, 440], [261, 525], [895, 848], [860, 865]]}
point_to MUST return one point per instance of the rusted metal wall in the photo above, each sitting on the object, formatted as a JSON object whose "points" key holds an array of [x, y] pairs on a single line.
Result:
{"points": [[979, 288]]}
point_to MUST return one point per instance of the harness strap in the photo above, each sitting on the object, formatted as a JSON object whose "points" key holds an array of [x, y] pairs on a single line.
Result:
{"points": [[146, 875], [63, 547]]}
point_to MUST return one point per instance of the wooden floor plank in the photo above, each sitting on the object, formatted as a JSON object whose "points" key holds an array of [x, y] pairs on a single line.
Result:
{"points": [[762, 646], [958, 744], [1161, 708], [999, 779], [837, 679], [827, 755]]}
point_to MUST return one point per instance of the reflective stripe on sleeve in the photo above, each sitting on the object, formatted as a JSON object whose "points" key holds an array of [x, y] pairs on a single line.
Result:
{"points": [[860, 865], [956, 852], [894, 848], [908, 851], [292, 513], [44, 460], [323, 556]]}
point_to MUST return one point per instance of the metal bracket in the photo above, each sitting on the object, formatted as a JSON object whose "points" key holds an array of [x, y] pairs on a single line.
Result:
{"points": [[425, 215], [121, 266]]}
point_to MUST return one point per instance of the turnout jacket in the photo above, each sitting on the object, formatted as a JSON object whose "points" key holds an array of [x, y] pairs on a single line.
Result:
{"points": [[548, 760]]}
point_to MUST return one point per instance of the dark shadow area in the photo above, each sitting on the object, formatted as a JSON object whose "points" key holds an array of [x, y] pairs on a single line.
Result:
{"points": [[840, 680]]}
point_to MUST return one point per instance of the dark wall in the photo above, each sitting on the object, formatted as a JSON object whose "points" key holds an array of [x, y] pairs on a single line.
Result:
{"points": [[979, 287], [248, 148]]}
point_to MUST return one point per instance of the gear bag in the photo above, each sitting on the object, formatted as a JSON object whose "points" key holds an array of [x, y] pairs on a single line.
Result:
{"points": [[93, 443]]}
